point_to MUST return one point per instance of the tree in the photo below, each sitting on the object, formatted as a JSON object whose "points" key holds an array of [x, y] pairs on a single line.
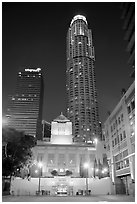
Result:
{"points": [[68, 173], [54, 173], [17, 150]]}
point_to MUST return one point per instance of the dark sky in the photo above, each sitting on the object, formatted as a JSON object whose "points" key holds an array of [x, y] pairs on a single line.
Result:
{"points": [[34, 35]]}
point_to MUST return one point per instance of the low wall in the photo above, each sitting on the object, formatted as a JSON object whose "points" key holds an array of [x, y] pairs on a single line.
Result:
{"points": [[21, 186]]}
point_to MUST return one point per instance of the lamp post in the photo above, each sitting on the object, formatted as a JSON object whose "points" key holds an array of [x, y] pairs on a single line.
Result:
{"points": [[40, 168], [86, 165]]}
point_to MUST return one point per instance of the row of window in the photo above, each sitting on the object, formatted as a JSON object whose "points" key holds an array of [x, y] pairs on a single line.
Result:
{"points": [[119, 138], [117, 122], [121, 155], [122, 164], [131, 106]]}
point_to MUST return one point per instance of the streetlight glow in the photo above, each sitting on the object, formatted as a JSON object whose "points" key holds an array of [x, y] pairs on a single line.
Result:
{"points": [[40, 165], [97, 170], [86, 165], [96, 140], [105, 170]]}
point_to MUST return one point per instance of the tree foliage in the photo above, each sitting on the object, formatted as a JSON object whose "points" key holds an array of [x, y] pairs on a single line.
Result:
{"points": [[54, 173], [16, 150], [68, 173]]}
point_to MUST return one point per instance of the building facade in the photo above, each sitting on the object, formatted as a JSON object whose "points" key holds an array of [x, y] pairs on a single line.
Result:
{"points": [[128, 16], [25, 107], [62, 159], [119, 133], [82, 106]]}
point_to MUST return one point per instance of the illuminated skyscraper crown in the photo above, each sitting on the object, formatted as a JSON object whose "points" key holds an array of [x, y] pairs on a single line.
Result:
{"points": [[81, 17]]}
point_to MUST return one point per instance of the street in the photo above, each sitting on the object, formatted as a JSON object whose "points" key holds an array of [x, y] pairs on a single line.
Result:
{"points": [[93, 198]]}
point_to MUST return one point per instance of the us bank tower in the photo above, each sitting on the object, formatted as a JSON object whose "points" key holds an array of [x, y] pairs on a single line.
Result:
{"points": [[82, 105]]}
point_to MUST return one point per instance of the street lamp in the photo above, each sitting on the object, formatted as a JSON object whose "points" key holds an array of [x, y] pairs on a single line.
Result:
{"points": [[96, 141], [40, 172], [86, 166]]}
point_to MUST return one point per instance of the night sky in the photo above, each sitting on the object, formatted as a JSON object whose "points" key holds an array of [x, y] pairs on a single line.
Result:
{"points": [[34, 35]]}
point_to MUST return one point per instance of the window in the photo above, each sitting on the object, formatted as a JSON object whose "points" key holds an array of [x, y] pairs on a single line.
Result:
{"points": [[125, 153], [128, 109], [122, 117], [117, 165], [39, 157], [121, 165], [119, 120], [121, 138], [112, 143], [126, 162], [118, 139], [72, 159], [133, 104], [51, 159], [124, 134], [115, 141]]}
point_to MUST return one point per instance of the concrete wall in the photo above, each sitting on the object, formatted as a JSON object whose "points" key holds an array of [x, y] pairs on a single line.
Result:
{"points": [[24, 187]]}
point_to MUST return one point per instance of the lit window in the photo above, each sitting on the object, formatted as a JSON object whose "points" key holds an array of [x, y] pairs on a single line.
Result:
{"points": [[133, 133]]}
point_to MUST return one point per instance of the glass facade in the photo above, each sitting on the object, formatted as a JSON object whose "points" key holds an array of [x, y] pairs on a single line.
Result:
{"points": [[25, 107]]}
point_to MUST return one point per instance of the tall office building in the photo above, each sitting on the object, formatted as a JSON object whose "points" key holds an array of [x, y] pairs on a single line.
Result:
{"points": [[128, 16], [82, 106], [25, 107]]}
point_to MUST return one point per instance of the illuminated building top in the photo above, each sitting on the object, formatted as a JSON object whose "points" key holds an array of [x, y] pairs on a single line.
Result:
{"points": [[61, 130], [78, 17], [33, 70], [61, 118]]}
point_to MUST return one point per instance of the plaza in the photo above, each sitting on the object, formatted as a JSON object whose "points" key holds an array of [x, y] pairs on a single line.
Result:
{"points": [[92, 198]]}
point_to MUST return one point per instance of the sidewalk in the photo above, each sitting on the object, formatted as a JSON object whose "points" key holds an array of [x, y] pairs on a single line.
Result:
{"points": [[118, 198], [92, 198]]}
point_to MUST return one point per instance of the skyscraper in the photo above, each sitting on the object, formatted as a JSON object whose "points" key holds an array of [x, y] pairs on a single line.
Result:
{"points": [[25, 107], [82, 106], [128, 16]]}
